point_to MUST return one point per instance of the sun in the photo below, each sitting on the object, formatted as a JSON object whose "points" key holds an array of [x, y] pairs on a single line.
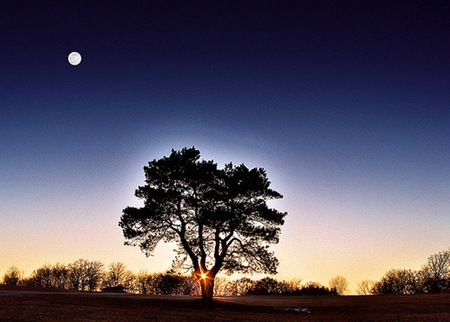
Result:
{"points": [[203, 276]]}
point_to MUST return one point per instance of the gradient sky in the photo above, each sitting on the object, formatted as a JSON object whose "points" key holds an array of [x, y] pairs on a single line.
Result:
{"points": [[346, 104]]}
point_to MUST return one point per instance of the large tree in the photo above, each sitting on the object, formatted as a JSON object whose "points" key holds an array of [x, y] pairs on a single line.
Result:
{"points": [[219, 218]]}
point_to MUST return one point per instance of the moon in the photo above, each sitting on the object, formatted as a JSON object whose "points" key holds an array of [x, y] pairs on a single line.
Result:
{"points": [[74, 58]]}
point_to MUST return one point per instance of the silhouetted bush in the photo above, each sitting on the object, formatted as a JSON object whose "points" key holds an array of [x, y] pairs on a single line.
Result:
{"points": [[313, 288], [270, 286], [169, 283], [397, 281], [433, 285], [264, 286], [241, 286]]}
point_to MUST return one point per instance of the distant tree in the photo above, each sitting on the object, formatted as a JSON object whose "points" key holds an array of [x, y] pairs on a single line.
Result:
{"points": [[219, 218], [118, 274], [292, 286], [422, 277], [171, 283], [365, 287], [143, 281], [85, 275], [77, 275], [242, 286], [148, 283], [438, 270], [42, 277], [340, 284], [115, 274], [13, 276], [265, 286], [314, 288], [56, 276], [168, 283], [94, 275], [222, 287], [60, 274], [439, 265], [397, 281]]}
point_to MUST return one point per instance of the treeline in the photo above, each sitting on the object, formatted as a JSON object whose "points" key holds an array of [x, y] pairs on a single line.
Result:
{"points": [[85, 275], [434, 277], [269, 286]]}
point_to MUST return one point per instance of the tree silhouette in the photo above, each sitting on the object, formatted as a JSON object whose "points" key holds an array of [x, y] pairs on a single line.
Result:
{"points": [[365, 287], [117, 274], [85, 275], [439, 264], [340, 284], [43, 276], [439, 272], [397, 281], [219, 218], [13, 276]]}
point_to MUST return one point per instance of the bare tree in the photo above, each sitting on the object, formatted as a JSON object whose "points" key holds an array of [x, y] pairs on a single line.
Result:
{"points": [[294, 285], [118, 274], [77, 275], [340, 284], [439, 265], [42, 277], [94, 275], [438, 269], [422, 279], [60, 274], [85, 275], [144, 283], [222, 287], [365, 287]]}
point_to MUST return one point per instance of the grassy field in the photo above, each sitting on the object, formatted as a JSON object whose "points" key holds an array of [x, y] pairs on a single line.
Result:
{"points": [[19, 304]]}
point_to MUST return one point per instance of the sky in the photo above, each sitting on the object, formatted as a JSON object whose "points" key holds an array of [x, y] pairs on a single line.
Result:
{"points": [[344, 103]]}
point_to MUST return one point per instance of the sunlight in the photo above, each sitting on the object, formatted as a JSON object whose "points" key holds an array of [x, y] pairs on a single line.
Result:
{"points": [[203, 275]]}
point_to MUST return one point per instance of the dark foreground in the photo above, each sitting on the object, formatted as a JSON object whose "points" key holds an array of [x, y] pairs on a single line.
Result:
{"points": [[19, 304]]}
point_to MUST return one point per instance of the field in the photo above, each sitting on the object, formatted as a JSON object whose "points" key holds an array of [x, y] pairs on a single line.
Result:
{"points": [[20, 304]]}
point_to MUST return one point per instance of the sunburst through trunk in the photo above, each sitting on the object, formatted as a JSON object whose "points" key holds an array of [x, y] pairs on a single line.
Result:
{"points": [[206, 280]]}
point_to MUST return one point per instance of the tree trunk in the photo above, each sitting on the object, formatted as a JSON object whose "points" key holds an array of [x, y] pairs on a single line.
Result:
{"points": [[207, 285]]}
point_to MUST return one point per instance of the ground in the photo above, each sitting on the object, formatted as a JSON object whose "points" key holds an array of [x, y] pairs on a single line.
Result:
{"points": [[20, 304]]}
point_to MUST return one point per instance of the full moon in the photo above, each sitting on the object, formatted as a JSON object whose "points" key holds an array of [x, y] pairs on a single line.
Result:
{"points": [[74, 58]]}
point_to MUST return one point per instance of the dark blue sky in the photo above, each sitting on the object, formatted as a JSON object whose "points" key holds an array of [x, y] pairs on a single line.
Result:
{"points": [[345, 103]]}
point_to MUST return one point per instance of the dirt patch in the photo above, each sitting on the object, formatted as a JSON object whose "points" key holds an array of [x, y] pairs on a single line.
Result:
{"points": [[36, 305]]}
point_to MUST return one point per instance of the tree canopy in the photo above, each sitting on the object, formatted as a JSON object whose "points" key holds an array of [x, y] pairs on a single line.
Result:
{"points": [[219, 218]]}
